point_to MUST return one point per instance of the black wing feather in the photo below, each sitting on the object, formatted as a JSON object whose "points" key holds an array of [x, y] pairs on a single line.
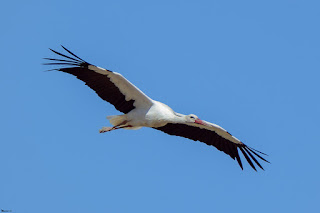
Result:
{"points": [[212, 138], [72, 53], [65, 56], [101, 84], [247, 157], [54, 59], [253, 158], [259, 156]]}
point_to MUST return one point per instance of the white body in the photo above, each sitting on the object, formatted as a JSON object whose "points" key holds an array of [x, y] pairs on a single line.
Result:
{"points": [[157, 115]]}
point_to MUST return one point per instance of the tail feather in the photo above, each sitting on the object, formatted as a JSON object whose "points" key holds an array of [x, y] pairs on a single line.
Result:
{"points": [[116, 119]]}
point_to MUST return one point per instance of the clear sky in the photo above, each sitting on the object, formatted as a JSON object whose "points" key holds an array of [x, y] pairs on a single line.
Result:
{"points": [[251, 67]]}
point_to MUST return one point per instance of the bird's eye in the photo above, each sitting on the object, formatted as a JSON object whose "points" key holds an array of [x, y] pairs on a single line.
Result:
{"points": [[192, 117]]}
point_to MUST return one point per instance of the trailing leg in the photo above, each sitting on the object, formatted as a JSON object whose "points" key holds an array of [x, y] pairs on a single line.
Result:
{"points": [[119, 126]]}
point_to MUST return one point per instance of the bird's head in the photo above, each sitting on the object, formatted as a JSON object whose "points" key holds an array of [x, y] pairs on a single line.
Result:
{"points": [[194, 119]]}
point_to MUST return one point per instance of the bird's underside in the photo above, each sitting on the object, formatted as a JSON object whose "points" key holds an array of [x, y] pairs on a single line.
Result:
{"points": [[123, 124], [141, 111]]}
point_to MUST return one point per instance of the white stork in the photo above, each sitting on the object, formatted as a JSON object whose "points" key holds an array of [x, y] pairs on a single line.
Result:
{"points": [[141, 111]]}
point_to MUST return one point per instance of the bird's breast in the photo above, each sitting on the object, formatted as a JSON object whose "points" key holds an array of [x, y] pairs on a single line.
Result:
{"points": [[159, 115], [156, 116]]}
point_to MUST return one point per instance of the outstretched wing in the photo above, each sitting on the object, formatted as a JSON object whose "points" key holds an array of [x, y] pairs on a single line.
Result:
{"points": [[215, 136], [110, 86]]}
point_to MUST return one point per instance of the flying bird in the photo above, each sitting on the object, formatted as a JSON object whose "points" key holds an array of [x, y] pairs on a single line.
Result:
{"points": [[139, 110]]}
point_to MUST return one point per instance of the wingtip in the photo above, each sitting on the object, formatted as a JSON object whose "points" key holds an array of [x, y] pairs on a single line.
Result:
{"points": [[257, 150], [254, 152], [76, 59], [63, 47], [247, 158], [51, 70], [239, 160], [73, 54], [246, 149]]}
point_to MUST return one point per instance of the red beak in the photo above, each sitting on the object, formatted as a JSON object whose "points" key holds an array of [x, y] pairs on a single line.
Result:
{"points": [[198, 121]]}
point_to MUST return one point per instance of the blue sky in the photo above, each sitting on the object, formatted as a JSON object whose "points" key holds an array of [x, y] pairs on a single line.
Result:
{"points": [[251, 67]]}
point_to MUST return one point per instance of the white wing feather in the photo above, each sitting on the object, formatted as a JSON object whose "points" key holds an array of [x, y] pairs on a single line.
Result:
{"points": [[130, 91]]}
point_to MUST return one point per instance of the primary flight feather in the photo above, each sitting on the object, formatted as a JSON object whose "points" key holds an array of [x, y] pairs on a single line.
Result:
{"points": [[141, 111]]}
